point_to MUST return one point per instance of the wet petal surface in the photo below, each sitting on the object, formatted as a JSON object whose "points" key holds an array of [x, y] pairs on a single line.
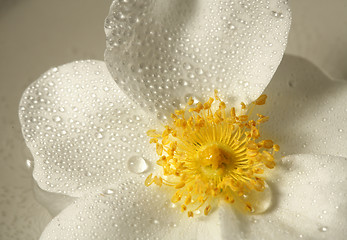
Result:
{"points": [[130, 211], [83, 132], [310, 202], [162, 53], [307, 110]]}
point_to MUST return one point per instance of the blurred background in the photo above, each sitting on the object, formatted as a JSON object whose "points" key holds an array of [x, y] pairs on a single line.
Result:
{"points": [[36, 35]]}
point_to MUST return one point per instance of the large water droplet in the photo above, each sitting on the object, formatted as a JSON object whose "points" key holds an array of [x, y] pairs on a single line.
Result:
{"points": [[137, 164], [260, 201]]}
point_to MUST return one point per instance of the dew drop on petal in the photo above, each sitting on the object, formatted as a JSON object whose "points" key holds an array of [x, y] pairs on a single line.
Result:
{"points": [[137, 164], [56, 119], [99, 135], [323, 229], [260, 201], [109, 191]]}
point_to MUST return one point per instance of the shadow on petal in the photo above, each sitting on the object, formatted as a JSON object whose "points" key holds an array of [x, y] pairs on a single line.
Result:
{"points": [[306, 114]]}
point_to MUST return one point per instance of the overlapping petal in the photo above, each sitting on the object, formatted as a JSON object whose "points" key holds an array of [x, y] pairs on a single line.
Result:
{"points": [[83, 132], [310, 202], [131, 212], [318, 33], [160, 53], [307, 110]]}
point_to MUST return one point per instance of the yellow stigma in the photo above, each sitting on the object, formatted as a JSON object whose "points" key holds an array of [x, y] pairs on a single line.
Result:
{"points": [[211, 155]]}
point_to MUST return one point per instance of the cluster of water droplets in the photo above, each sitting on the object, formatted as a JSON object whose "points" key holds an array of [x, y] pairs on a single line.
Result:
{"points": [[308, 202], [159, 52], [83, 131], [129, 211]]}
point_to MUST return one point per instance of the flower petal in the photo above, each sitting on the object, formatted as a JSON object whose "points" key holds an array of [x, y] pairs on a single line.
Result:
{"points": [[162, 53], [310, 202], [307, 110], [131, 212], [319, 34], [83, 132]]}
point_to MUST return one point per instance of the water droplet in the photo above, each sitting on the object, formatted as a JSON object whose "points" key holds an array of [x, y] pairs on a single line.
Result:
{"points": [[172, 205], [199, 71], [137, 164], [29, 163], [260, 201], [277, 14], [187, 66], [323, 229], [155, 221], [109, 191], [172, 224], [99, 135], [195, 99], [56, 119], [231, 26]]}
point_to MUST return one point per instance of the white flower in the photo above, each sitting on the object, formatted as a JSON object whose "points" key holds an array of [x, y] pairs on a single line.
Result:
{"points": [[87, 137]]}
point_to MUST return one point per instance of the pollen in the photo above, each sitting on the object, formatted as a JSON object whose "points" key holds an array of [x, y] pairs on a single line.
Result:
{"points": [[210, 154]]}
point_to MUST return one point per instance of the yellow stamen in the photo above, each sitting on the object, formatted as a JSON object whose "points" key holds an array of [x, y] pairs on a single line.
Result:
{"points": [[261, 100], [211, 156], [207, 209]]}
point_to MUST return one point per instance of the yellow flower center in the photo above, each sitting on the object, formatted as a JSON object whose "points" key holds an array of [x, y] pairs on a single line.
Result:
{"points": [[208, 156]]}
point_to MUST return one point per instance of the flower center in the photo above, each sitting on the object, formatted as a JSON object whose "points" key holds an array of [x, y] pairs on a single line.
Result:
{"points": [[213, 157], [208, 156]]}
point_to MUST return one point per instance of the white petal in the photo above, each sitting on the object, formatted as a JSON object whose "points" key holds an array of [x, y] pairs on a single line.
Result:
{"points": [[131, 212], [308, 112], [310, 202], [82, 130], [319, 34], [160, 53], [54, 203]]}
